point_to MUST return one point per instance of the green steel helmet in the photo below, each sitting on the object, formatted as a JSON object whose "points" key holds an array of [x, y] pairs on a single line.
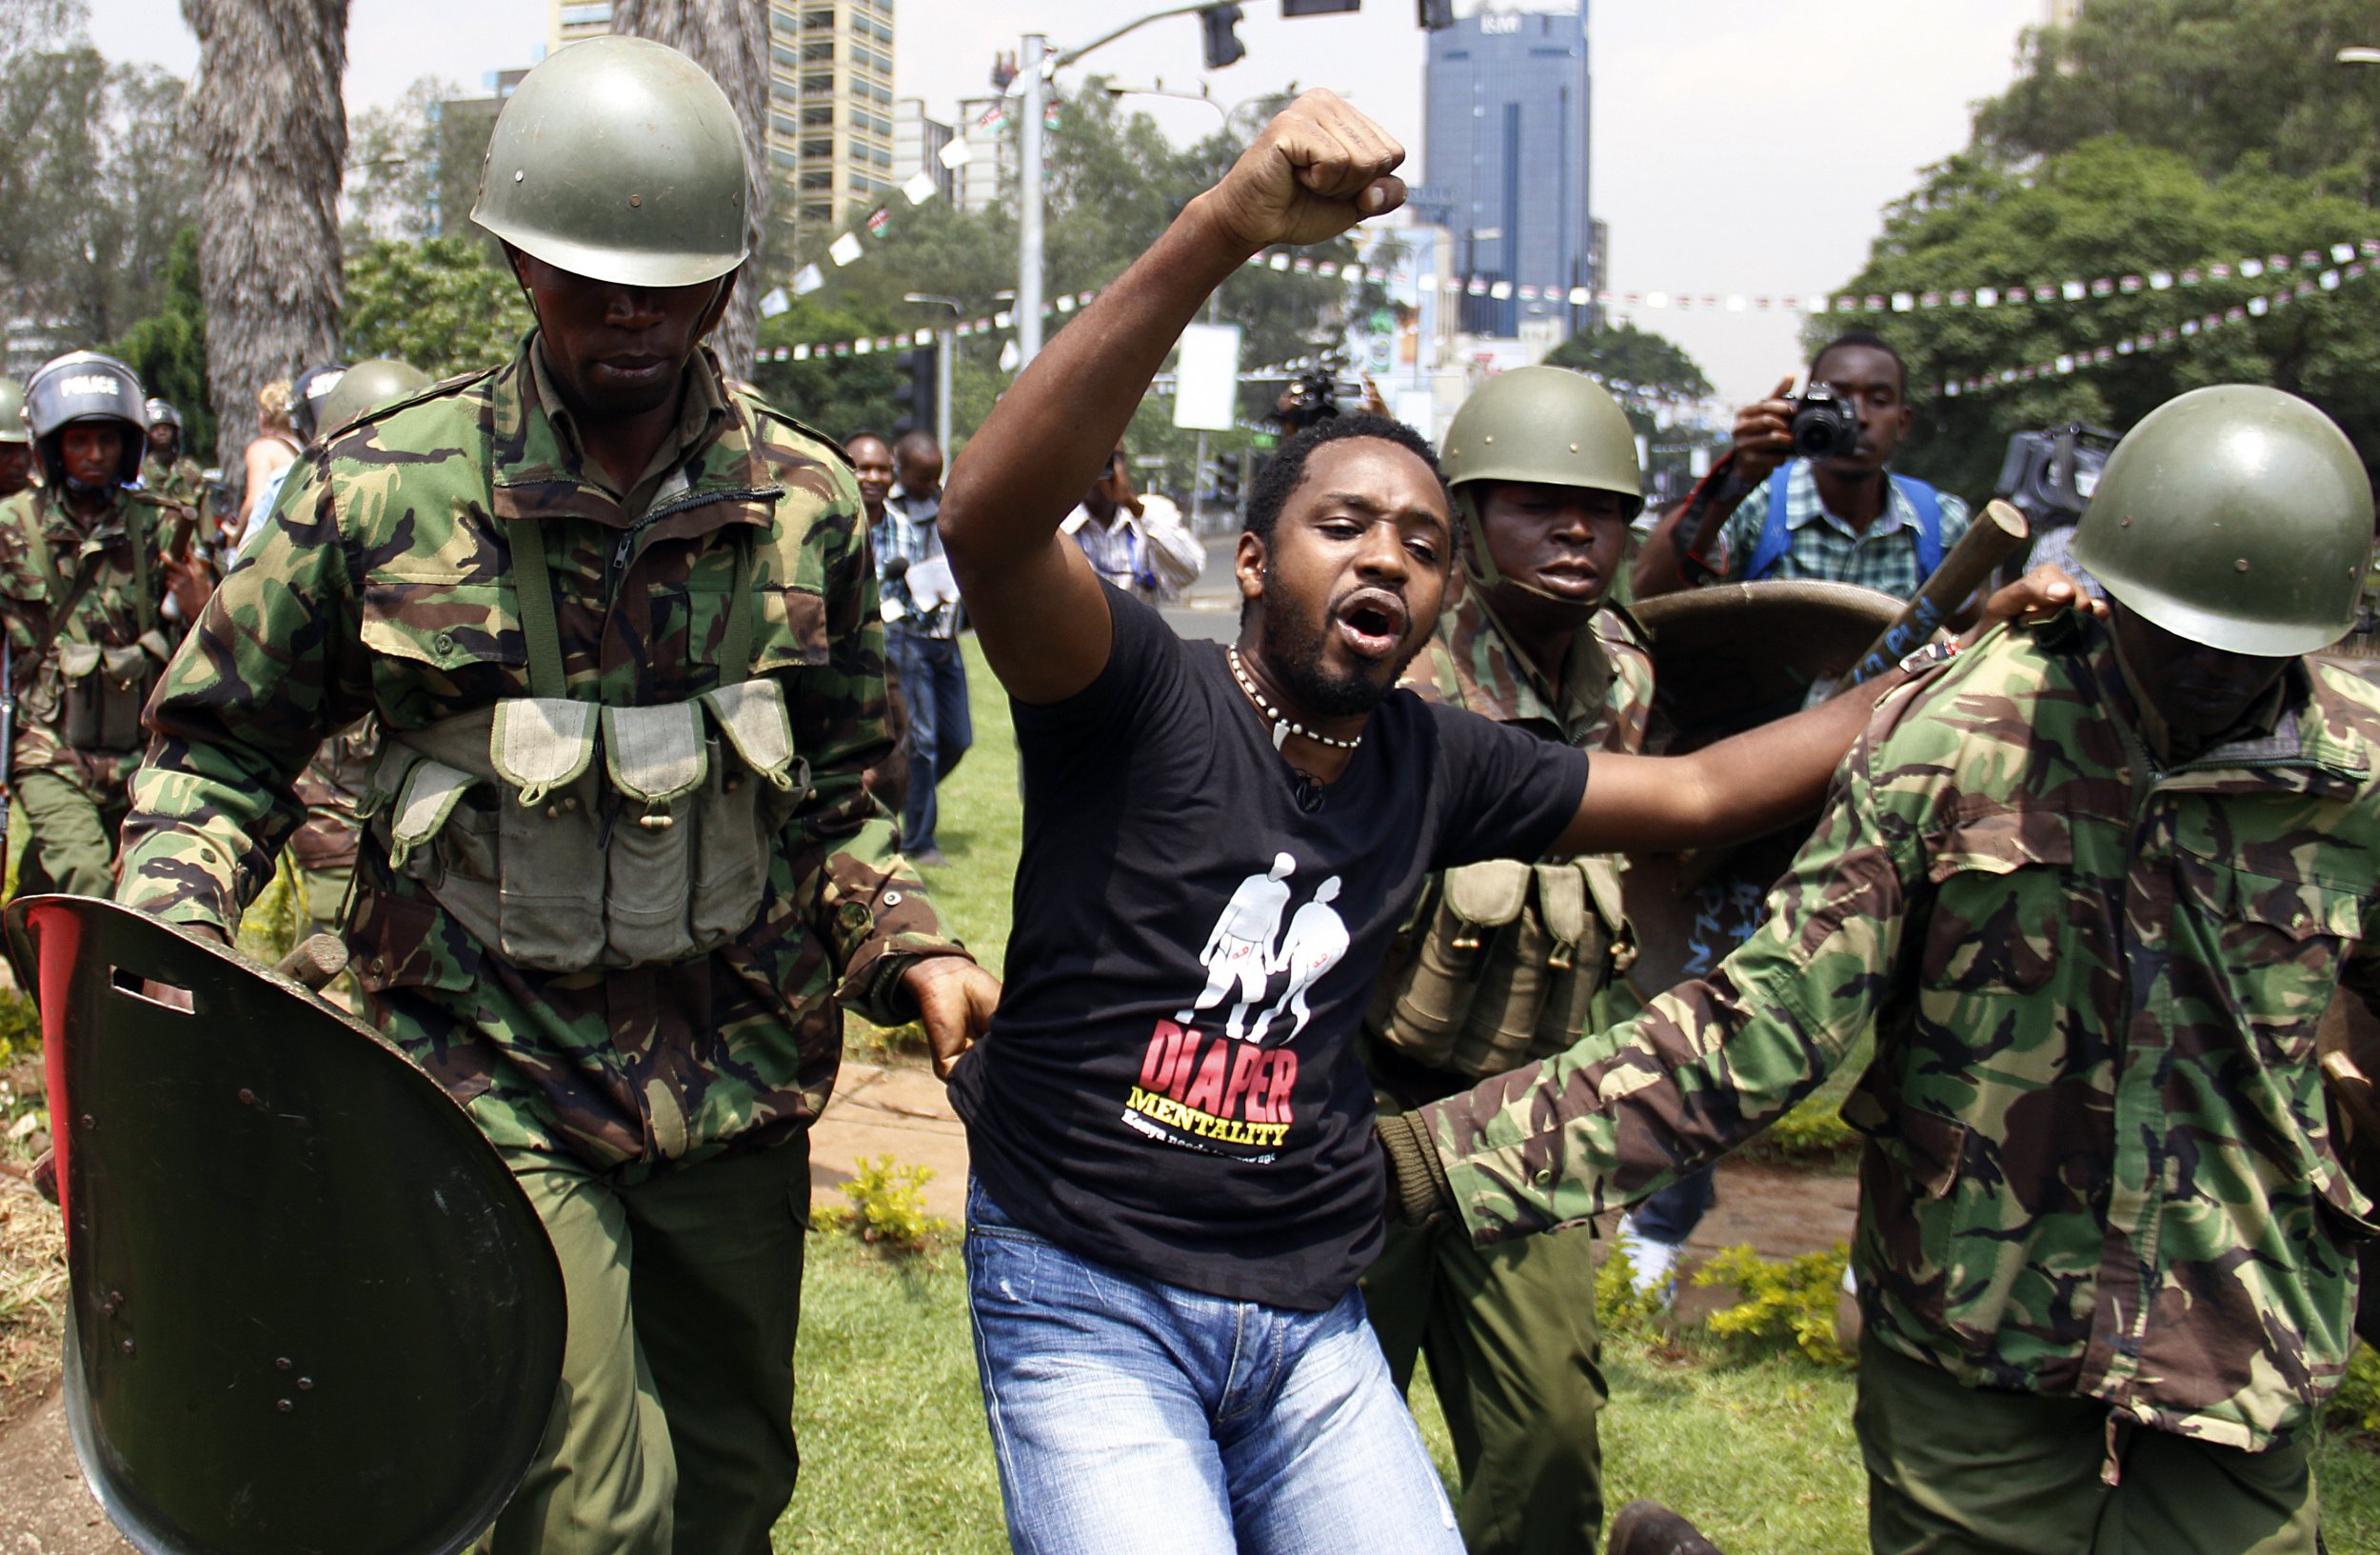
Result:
{"points": [[2236, 516], [12, 428], [618, 159], [367, 386], [1544, 425]]}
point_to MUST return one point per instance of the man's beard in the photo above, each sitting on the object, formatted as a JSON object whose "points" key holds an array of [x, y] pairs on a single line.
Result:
{"points": [[1293, 650]]}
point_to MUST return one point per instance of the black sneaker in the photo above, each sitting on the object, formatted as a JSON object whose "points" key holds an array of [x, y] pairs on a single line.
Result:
{"points": [[1647, 1527]]}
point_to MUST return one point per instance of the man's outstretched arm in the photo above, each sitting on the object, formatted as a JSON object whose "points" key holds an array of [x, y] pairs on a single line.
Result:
{"points": [[1318, 169], [1749, 785]]}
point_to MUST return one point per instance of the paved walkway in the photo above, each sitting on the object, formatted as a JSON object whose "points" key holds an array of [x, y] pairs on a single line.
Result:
{"points": [[894, 1110]]}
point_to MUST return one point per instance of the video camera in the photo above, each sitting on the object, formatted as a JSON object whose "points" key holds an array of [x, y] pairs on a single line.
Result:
{"points": [[1313, 397], [2049, 475], [1825, 425]]}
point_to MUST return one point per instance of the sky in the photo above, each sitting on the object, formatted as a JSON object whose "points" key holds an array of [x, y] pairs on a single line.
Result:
{"points": [[1739, 146]]}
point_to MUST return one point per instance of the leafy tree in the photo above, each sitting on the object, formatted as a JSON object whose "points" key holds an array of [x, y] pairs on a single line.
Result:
{"points": [[394, 167], [838, 395], [96, 184], [2214, 81], [1652, 365], [169, 347], [1115, 183], [1649, 374], [29, 24], [2107, 209], [441, 303], [2146, 135]]}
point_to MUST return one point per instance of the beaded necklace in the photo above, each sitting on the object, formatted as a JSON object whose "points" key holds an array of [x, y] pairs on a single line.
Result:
{"points": [[1284, 726]]}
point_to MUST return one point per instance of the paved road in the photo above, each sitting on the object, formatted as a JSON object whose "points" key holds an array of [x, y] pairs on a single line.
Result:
{"points": [[1210, 611]]}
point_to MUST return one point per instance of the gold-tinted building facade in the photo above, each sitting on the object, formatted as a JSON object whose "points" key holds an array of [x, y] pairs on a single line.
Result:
{"points": [[831, 100]]}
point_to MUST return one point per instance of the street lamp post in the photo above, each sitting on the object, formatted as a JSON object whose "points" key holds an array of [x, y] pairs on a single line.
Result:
{"points": [[1038, 65], [946, 346], [1029, 200]]}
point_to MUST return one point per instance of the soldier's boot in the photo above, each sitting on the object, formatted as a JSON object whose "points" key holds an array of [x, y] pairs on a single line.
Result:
{"points": [[1647, 1527]]}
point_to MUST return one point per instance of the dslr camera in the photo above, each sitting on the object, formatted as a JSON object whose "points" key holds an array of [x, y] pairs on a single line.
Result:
{"points": [[1825, 425]]}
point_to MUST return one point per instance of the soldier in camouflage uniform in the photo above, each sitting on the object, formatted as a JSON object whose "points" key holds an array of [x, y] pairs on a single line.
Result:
{"points": [[94, 591], [2095, 885], [16, 444], [1504, 959], [618, 625]]}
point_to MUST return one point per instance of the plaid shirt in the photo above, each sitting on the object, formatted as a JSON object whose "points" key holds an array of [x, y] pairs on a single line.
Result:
{"points": [[1825, 547], [907, 531]]}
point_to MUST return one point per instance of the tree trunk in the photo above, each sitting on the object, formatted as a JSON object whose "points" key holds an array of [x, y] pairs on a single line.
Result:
{"points": [[729, 38], [270, 129]]}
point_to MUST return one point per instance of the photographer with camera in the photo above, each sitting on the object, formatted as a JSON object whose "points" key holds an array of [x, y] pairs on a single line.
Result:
{"points": [[1805, 493]]}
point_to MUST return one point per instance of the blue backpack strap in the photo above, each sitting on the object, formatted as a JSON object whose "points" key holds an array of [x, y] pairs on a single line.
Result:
{"points": [[1929, 506], [1775, 537]]}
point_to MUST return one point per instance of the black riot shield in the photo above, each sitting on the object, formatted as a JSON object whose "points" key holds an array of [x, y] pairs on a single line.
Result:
{"points": [[311, 1310], [1727, 658]]}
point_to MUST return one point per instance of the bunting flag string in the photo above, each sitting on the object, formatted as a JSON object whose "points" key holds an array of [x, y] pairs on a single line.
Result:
{"points": [[2172, 334], [2014, 295]]}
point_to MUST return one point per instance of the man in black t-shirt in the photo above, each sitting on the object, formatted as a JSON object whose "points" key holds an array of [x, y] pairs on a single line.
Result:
{"points": [[1174, 1184]]}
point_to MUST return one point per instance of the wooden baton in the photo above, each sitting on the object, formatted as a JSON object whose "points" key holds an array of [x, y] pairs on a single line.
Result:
{"points": [[1996, 532]]}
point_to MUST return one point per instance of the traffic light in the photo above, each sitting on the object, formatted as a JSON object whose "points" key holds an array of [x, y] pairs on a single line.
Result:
{"points": [[1436, 15], [1317, 8], [1222, 45], [1227, 482], [916, 393]]}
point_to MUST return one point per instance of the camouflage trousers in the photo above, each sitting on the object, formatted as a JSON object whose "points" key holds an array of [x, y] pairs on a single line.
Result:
{"points": [[69, 843], [1509, 1335], [1958, 1470], [673, 1427], [70, 834]]}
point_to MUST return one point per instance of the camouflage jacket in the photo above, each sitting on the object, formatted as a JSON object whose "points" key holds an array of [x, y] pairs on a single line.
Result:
{"points": [[181, 481], [383, 584], [97, 571], [1606, 699], [2099, 1160], [1603, 702]]}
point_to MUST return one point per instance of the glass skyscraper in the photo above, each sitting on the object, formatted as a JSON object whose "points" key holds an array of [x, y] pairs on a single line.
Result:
{"points": [[1507, 95]]}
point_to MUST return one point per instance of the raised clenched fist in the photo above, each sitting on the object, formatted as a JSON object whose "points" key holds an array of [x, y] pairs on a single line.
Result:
{"points": [[1319, 168]]}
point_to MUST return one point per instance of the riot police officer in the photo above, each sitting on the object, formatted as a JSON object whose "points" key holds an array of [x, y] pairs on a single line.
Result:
{"points": [[617, 621], [166, 465], [94, 590]]}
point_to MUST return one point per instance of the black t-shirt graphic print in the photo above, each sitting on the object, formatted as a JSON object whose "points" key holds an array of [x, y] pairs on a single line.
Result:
{"points": [[1170, 1085]]}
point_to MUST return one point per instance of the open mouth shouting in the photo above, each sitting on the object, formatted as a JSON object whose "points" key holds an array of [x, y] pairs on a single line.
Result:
{"points": [[1372, 622]]}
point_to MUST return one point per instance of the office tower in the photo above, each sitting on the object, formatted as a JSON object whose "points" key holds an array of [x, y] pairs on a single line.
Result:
{"points": [[830, 89], [1507, 93]]}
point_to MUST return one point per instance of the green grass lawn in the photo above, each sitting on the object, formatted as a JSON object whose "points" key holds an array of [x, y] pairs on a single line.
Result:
{"points": [[1756, 1444]]}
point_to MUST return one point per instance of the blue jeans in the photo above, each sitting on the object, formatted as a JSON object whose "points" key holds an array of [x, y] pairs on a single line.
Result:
{"points": [[1128, 1414], [1672, 1214], [934, 680]]}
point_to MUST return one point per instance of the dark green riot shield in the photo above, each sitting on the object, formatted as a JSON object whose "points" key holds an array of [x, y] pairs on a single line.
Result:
{"points": [[1726, 659], [311, 1310]]}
